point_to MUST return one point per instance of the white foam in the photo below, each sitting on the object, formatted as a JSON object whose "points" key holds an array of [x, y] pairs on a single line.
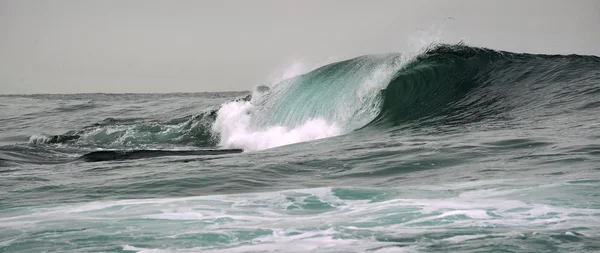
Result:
{"points": [[473, 214], [462, 238], [143, 250], [234, 128], [38, 139]]}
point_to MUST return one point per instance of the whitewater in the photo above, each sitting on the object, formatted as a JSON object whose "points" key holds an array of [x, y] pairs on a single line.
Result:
{"points": [[451, 148]]}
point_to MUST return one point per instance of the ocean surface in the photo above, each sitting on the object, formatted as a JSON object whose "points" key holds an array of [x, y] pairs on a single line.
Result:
{"points": [[452, 149]]}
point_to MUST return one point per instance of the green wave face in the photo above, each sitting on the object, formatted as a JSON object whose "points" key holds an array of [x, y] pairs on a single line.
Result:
{"points": [[424, 87], [455, 84], [345, 93]]}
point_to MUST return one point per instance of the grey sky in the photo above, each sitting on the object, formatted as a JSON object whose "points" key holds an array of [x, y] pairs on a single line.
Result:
{"points": [[72, 46]]}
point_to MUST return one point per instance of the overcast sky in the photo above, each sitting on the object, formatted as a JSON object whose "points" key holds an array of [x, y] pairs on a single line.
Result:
{"points": [[73, 46]]}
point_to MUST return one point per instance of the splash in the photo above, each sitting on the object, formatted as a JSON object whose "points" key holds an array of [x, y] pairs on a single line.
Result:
{"points": [[235, 129], [313, 102]]}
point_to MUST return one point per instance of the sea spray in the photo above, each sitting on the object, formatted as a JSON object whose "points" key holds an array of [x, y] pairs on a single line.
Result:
{"points": [[481, 151]]}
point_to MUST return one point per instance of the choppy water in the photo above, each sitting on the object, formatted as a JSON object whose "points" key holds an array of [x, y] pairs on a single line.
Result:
{"points": [[456, 149]]}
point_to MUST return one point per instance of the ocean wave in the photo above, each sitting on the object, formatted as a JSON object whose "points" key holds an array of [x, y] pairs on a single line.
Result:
{"points": [[442, 85]]}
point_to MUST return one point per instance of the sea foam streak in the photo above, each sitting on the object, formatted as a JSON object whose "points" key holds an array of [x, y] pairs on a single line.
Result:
{"points": [[328, 219]]}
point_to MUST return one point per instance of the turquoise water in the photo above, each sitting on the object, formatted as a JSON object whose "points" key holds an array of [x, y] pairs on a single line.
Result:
{"points": [[458, 149]]}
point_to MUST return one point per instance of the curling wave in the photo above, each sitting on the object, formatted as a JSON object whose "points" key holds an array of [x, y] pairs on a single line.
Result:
{"points": [[443, 85], [446, 84]]}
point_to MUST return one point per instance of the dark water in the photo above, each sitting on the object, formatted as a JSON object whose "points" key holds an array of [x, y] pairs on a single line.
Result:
{"points": [[456, 149]]}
